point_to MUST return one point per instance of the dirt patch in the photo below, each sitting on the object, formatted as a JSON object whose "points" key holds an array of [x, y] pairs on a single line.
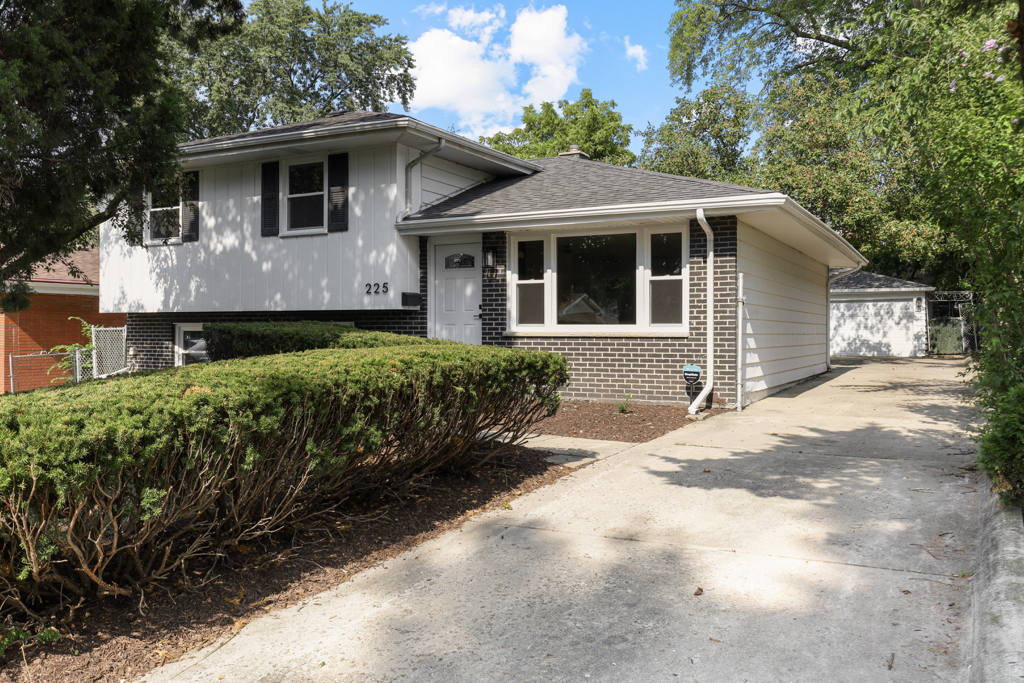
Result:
{"points": [[604, 421], [120, 639]]}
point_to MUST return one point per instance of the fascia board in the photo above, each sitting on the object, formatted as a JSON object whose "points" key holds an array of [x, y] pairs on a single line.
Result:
{"points": [[270, 142], [582, 216], [817, 228]]}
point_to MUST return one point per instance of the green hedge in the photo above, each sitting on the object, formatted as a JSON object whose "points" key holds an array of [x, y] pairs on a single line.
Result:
{"points": [[945, 337], [225, 341], [1001, 444], [112, 484]]}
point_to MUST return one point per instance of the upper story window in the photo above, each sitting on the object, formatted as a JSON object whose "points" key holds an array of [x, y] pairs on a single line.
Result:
{"points": [[306, 196], [628, 280], [174, 219]]}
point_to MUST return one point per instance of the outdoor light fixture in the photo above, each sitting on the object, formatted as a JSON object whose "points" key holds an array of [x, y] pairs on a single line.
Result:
{"points": [[488, 258]]}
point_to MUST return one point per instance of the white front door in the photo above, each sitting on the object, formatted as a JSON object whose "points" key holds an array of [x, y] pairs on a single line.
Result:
{"points": [[457, 271]]}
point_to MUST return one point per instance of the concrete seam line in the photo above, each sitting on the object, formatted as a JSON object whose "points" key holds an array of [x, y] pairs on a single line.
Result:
{"points": [[732, 551], [997, 598]]}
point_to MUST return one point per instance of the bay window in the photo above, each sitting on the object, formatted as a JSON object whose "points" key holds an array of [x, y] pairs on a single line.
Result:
{"points": [[622, 281]]}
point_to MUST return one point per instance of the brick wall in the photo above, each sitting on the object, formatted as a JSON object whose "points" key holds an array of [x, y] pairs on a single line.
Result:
{"points": [[648, 368], [152, 334], [42, 326]]}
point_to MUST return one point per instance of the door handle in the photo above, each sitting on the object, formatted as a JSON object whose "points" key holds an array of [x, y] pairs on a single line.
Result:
{"points": [[478, 316]]}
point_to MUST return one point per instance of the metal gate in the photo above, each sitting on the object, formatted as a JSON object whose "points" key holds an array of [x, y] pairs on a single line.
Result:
{"points": [[108, 356], [952, 311]]}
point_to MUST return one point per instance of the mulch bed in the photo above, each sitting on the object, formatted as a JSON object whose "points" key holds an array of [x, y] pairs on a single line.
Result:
{"points": [[116, 639], [596, 420]]}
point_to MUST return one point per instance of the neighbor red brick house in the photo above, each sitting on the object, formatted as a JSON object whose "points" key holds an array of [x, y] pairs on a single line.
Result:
{"points": [[45, 324]]}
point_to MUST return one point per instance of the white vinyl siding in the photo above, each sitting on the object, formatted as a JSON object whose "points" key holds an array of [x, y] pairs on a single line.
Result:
{"points": [[441, 179], [879, 324], [784, 335], [233, 268]]}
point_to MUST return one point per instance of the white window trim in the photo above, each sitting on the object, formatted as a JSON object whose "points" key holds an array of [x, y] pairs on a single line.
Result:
{"points": [[157, 242], [283, 195], [179, 340], [643, 326]]}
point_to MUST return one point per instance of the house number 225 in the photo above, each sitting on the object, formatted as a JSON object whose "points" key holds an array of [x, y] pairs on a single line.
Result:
{"points": [[377, 288]]}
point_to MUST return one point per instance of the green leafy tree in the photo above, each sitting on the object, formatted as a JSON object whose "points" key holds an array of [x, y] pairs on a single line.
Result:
{"points": [[704, 137], [88, 118], [816, 146], [289, 63], [964, 103], [736, 40], [592, 124]]}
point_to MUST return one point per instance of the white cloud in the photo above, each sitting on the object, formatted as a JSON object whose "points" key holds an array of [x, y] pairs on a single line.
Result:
{"points": [[637, 53], [540, 39], [465, 69], [481, 25], [427, 10]]}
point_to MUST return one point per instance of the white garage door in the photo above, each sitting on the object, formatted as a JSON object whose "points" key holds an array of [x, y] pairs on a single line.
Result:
{"points": [[878, 328]]}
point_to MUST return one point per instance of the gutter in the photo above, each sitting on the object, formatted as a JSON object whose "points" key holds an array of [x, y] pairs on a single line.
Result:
{"points": [[828, 312], [710, 267], [408, 175], [272, 140]]}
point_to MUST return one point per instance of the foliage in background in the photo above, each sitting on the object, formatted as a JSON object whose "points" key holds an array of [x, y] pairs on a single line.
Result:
{"points": [[87, 115], [963, 101], [592, 124], [225, 341], [735, 41], [290, 63], [704, 137], [110, 485]]}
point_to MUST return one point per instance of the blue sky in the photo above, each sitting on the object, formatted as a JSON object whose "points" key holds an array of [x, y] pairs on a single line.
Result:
{"points": [[479, 64]]}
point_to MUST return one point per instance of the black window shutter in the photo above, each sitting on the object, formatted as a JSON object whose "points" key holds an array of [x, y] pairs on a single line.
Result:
{"points": [[270, 215], [337, 190], [189, 210]]}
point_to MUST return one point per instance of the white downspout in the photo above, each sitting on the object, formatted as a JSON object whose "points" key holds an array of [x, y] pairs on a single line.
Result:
{"points": [[710, 265], [740, 300], [408, 174], [828, 314]]}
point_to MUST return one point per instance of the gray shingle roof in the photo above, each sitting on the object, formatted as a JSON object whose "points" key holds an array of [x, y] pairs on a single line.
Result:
{"points": [[570, 183], [349, 117], [865, 280]]}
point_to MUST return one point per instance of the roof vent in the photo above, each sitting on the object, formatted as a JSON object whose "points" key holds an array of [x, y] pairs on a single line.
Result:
{"points": [[339, 112], [575, 152]]}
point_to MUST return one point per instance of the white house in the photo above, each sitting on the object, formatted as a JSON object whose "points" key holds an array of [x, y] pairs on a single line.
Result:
{"points": [[396, 225], [876, 315]]}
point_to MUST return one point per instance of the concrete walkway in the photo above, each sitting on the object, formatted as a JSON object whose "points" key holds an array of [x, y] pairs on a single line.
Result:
{"points": [[819, 535]]}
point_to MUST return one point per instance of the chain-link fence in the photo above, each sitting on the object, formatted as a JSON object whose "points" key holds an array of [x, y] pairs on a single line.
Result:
{"points": [[107, 357]]}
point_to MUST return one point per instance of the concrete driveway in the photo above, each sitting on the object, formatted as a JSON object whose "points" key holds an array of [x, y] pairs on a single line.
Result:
{"points": [[825, 530]]}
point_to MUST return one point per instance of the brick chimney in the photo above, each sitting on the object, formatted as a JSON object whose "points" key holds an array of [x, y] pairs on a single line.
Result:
{"points": [[574, 152]]}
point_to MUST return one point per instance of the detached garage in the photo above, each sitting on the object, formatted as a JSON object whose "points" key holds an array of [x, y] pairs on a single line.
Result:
{"points": [[875, 315]]}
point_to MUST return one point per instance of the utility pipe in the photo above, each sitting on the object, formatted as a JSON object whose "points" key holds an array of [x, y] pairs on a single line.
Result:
{"points": [[408, 174], [710, 265], [740, 300], [828, 313]]}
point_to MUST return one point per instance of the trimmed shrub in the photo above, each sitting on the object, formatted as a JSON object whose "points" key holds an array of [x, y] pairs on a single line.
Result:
{"points": [[225, 341], [112, 484]]}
